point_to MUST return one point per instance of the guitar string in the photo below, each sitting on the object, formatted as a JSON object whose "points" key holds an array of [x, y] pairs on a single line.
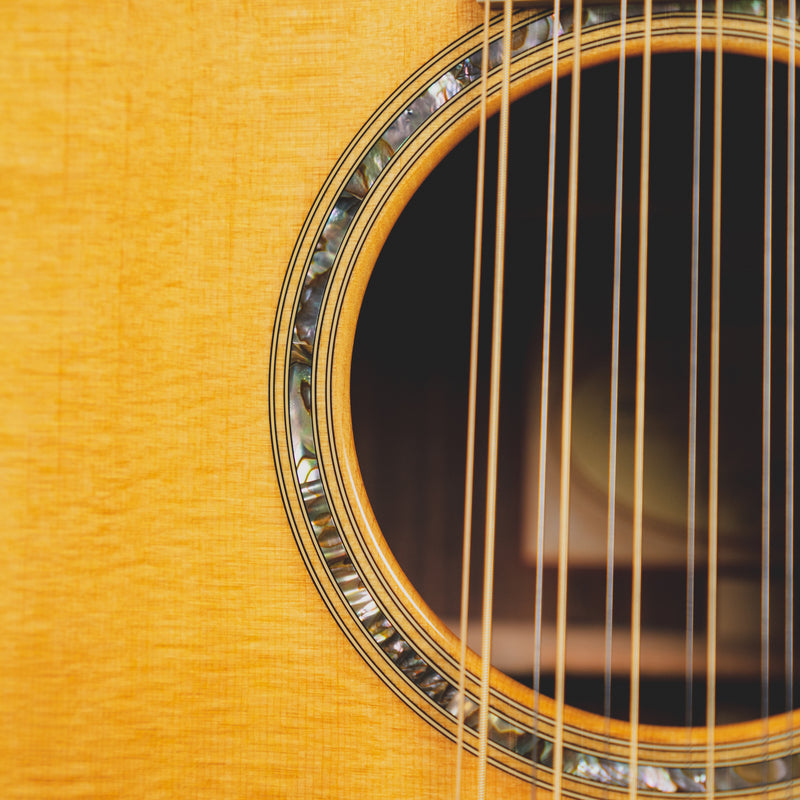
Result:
{"points": [[612, 431], [766, 386], [693, 316], [545, 390], [790, 256], [716, 225], [643, 221], [641, 334], [640, 382], [566, 402], [469, 472], [494, 404]]}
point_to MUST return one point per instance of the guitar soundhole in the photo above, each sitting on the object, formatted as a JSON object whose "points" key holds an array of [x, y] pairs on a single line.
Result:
{"points": [[410, 372]]}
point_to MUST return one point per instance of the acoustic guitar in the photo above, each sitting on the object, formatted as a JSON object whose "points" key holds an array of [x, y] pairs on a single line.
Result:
{"points": [[198, 599]]}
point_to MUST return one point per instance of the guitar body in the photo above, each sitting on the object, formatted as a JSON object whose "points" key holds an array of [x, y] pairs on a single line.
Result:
{"points": [[163, 634]]}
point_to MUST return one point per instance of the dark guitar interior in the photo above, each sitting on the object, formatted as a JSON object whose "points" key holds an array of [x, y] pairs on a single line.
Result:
{"points": [[410, 372]]}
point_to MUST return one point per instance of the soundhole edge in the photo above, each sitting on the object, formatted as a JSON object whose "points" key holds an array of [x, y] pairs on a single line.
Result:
{"points": [[301, 393]]}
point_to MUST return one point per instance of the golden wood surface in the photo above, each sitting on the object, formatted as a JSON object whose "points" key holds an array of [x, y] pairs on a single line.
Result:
{"points": [[161, 636]]}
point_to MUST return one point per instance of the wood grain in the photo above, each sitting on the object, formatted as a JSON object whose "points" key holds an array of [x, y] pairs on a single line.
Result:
{"points": [[161, 636]]}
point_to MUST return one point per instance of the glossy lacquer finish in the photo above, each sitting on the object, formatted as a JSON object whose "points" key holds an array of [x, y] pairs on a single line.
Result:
{"points": [[175, 419]]}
